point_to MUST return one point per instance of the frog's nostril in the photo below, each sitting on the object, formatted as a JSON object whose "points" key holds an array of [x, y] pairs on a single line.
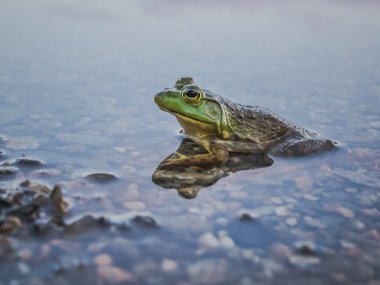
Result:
{"points": [[158, 98]]}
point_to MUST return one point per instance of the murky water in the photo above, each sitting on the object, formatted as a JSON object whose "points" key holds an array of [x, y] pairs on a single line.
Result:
{"points": [[77, 80]]}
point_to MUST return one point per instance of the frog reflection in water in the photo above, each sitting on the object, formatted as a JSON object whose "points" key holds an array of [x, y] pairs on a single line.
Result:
{"points": [[223, 127], [189, 179]]}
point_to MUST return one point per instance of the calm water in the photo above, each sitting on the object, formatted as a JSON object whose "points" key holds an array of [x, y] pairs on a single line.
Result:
{"points": [[77, 80]]}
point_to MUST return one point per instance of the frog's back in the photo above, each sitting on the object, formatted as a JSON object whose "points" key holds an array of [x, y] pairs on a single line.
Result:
{"points": [[254, 123], [270, 131]]}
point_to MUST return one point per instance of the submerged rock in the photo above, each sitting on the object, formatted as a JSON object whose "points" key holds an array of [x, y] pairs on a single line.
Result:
{"points": [[6, 170], [145, 221], [101, 177], [57, 201], [86, 223], [305, 248], [9, 224], [27, 162], [245, 217], [113, 274], [27, 202]]}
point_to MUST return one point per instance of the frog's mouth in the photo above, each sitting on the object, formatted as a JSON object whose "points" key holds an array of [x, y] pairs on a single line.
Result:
{"points": [[194, 127], [184, 118]]}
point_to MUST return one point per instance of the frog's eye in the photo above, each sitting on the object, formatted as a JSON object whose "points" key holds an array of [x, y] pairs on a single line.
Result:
{"points": [[192, 94]]}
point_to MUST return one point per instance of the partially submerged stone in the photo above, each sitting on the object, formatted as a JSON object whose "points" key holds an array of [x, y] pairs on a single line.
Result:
{"points": [[57, 201], [6, 171], [10, 224], [145, 221], [27, 162], [101, 177]]}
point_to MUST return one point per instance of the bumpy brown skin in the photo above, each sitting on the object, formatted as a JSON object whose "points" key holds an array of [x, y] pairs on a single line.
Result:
{"points": [[274, 133]]}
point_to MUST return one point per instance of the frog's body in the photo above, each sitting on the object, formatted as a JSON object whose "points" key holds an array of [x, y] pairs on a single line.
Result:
{"points": [[221, 126]]}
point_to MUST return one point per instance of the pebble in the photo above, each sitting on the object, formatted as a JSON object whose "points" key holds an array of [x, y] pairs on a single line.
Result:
{"points": [[313, 222], [113, 274], [371, 212], [103, 259], [304, 182], [280, 250], [101, 177], [221, 221], [37, 187], [27, 162], [56, 197], [208, 241], [145, 221], [10, 224], [245, 217], [8, 170], [24, 254], [340, 210], [23, 268], [96, 246], [310, 197], [305, 248], [291, 221], [134, 206], [83, 224], [169, 265], [132, 192], [208, 271], [347, 245], [224, 240], [358, 225], [281, 211]]}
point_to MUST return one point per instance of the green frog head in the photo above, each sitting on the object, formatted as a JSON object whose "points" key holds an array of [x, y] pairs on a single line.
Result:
{"points": [[199, 112]]}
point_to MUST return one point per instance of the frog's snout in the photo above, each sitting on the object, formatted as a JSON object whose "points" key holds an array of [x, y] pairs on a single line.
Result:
{"points": [[159, 99]]}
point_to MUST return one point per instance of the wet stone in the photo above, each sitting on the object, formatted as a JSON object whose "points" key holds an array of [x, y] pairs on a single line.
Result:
{"points": [[10, 224], [34, 187], [57, 201], [27, 162], [7, 171], [208, 241], [245, 217], [113, 274], [45, 173], [145, 221], [103, 259], [86, 223], [101, 177], [305, 248], [169, 265]]}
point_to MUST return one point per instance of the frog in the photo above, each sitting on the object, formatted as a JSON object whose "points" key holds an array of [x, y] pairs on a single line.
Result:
{"points": [[222, 127]]}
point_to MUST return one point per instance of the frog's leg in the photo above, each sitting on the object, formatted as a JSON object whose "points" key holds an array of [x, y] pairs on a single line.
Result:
{"points": [[302, 147], [217, 154]]}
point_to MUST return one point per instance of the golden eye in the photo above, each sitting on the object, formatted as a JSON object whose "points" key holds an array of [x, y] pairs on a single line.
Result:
{"points": [[192, 94]]}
